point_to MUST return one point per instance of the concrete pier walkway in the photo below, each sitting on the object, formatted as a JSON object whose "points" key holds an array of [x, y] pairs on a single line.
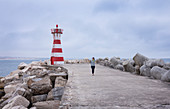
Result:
{"points": [[113, 89]]}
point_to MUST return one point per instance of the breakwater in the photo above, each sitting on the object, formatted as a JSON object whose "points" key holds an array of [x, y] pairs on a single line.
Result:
{"points": [[138, 65], [37, 85]]}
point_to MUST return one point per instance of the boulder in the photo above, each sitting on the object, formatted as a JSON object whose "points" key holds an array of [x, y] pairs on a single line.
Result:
{"points": [[19, 107], [139, 59], [106, 63], [42, 74], [106, 58], [11, 78], [137, 69], [38, 98], [34, 72], [114, 61], [166, 76], [128, 67], [26, 78], [47, 62], [56, 93], [10, 88], [132, 62], [53, 76], [145, 71], [26, 69], [119, 67], [40, 85], [35, 63], [101, 63], [16, 101], [155, 62], [59, 81], [7, 96], [157, 72], [166, 66], [4, 102], [47, 104], [22, 66], [19, 91], [99, 60]]}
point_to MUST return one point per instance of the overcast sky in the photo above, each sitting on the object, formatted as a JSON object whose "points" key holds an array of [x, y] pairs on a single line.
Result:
{"points": [[100, 28]]}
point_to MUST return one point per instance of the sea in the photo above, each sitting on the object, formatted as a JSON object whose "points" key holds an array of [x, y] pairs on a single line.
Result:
{"points": [[7, 66]]}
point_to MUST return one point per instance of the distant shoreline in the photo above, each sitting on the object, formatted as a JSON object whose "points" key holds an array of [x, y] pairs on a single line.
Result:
{"points": [[22, 58]]}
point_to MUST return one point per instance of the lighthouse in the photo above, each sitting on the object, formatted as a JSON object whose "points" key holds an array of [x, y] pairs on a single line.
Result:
{"points": [[57, 52]]}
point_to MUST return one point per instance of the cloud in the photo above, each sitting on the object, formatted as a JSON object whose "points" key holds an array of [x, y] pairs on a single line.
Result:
{"points": [[91, 28]]}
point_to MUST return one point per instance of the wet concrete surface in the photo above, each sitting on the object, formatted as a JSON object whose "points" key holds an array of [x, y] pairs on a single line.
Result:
{"points": [[113, 89]]}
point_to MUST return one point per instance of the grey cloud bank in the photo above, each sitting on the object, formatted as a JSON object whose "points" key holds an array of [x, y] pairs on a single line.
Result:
{"points": [[91, 28]]}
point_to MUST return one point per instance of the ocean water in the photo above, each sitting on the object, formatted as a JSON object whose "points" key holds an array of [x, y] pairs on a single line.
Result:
{"points": [[166, 60], [7, 66]]}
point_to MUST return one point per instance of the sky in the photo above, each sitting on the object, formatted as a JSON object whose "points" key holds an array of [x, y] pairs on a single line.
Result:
{"points": [[99, 28]]}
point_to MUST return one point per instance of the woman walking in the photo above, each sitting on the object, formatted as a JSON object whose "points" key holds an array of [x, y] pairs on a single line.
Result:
{"points": [[93, 65]]}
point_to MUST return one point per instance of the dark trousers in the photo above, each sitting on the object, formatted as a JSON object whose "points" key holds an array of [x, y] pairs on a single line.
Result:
{"points": [[92, 67]]}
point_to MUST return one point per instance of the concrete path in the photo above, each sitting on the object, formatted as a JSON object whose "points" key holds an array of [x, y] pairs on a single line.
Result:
{"points": [[113, 89]]}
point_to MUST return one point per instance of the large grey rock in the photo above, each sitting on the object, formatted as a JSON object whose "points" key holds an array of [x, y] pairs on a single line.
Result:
{"points": [[22, 65], [10, 88], [38, 98], [99, 60], [155, 62], [35, 63], [114, 61], [53, 76], [19, 91], [47, 62], [106, 58], [26, 69], [106, 63], [39, 85], [47, 104], [132, 62], [56, 93], [139, 59], [17, 100], [128, 67], [157, 72], [35, 71], [7, 96], [166, 66], [42, 74], [166, 76], [137, 69], [102, 63], [145, 71], [11, 78], [119, 67], [26, 78], [59, 81], [19, 107]]}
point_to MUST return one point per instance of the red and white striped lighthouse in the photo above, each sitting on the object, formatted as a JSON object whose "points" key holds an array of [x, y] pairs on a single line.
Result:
{"points": [[57, 52]]}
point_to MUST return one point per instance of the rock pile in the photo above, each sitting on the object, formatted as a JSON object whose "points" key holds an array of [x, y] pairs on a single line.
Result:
{"points": [[77, 61], [140, 65], [37, 85]]}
